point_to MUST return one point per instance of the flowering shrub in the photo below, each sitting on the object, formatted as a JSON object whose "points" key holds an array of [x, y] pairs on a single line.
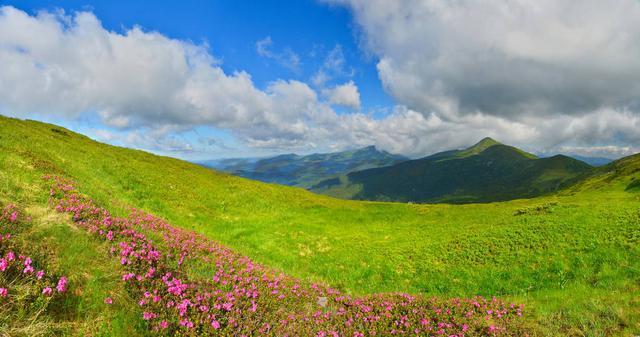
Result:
{"points": [[23, 282], [187, 284]]}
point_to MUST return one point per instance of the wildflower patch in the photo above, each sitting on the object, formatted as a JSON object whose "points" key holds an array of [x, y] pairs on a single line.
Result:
{"points": [[26, 286], [232, 295]]}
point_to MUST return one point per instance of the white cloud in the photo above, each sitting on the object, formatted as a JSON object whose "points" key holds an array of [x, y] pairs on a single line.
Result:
{"points": [[154, 87], [70, 65], [609, 151], [263, 47], [151, 85], [560, 71], [334, 66], [287, 58], [345, 94], [505, 58]]}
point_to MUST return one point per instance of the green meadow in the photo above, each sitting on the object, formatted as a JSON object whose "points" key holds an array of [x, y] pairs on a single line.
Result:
{"points": [[572, 257]]}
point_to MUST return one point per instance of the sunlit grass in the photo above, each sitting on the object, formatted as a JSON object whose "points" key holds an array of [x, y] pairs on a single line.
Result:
{"points": [[573, 258]]}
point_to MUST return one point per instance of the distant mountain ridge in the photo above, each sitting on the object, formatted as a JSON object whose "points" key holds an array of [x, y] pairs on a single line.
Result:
{"points": [[487, 171], [593, 161], [305, 170]]}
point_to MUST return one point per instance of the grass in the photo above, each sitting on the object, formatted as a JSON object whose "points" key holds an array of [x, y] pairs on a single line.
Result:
{"points": [[52, 241], [573, 258]]}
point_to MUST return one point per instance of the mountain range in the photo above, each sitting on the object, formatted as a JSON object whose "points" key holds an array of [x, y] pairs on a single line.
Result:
{"points": [[593, 161], [485, 172], [305, 171]]}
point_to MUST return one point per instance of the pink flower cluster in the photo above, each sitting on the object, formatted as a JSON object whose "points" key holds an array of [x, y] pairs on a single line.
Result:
{"points": [[18, 268], [188, 284]]}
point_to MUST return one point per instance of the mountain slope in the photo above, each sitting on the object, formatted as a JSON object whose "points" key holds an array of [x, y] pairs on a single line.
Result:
{"points": [[621, 174], [304, 171], [571, 257], [487, 171]]}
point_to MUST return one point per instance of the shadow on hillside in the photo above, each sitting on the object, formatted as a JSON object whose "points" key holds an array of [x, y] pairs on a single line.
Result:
{"points": [[633, 186]]}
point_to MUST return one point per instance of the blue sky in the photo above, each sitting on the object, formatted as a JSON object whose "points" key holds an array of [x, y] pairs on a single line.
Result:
{"points": [[232, 29], [210, 79]]}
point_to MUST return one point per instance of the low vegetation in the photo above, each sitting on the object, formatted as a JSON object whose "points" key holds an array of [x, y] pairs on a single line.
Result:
{"points": [[188, 285], [572, 258]]}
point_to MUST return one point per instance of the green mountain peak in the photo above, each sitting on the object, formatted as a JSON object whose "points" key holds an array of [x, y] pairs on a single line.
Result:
{"points": [[480, 146], [485, 172], [484, 144]]}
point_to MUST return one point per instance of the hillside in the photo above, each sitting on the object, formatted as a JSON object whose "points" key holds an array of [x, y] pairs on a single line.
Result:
{"points": [[488, 171], [622, 174], [572, 258], [305, 171]]}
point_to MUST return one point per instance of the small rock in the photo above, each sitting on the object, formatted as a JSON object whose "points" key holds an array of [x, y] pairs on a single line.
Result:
{"points": [[322, 301]]}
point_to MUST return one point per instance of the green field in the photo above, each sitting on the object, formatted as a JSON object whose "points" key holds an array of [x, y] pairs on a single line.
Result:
{"points": [[573, 258]]}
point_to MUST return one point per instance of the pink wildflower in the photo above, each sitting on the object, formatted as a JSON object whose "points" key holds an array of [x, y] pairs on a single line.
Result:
{"points": [[13, 217], [3, 292], [62, 285], [108, 300], [47, 291], [186, 323]]}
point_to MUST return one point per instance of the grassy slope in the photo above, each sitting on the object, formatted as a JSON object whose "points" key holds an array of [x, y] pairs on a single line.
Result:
{"points": [[52, 239], [574, 259]]}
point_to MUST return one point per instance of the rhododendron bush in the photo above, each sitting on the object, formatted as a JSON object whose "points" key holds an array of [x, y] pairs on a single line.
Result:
{"points": [[26, 286], [187, 284]]}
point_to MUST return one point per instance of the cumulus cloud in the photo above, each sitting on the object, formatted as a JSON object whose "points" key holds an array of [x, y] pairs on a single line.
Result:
{"points": [[155, 87], [505, 58], [454, 79], [564, 71], [345, 94], [70, 64]]}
